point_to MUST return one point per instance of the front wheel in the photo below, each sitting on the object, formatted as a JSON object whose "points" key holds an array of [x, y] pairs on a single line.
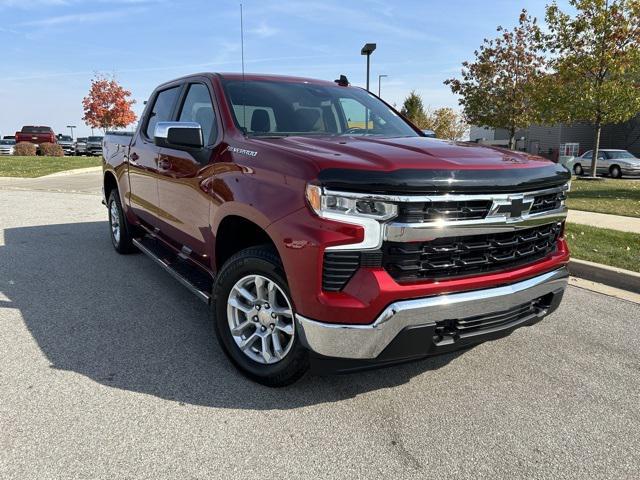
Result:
{"points": [[615, 172], [118, 226], [254, 318]]}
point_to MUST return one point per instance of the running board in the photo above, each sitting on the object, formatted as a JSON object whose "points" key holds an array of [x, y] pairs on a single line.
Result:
{"points": [[189, 275]]}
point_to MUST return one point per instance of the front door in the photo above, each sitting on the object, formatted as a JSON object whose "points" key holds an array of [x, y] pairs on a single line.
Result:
{"points": [[143, 159], [184, 199]]}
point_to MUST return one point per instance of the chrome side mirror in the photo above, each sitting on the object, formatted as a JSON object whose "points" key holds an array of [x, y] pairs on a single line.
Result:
{"points": [[178, 135]]}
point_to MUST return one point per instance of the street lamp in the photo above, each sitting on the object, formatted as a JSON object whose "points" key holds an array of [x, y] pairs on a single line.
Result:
{"points": [[379, 79], [71, 127], [367, 50]]}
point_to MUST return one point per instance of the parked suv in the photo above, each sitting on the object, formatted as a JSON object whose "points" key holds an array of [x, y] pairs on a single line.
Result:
{"points": [[7, 147], [323, 229], [94, 145], [66, 142], [81, 146]]}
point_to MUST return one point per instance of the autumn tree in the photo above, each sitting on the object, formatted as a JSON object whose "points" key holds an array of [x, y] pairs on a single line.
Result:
{"points": [[595, 61], [107, 105], [446, 123], [413, 109], [496, 89]]}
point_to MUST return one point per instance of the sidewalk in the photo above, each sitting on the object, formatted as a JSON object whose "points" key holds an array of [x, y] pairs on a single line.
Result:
{"points": [[602, 220], [82, 180]]}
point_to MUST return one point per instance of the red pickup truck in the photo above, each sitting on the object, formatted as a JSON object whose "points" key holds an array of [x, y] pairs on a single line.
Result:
{"points": [[323, 229], [36, 134]]}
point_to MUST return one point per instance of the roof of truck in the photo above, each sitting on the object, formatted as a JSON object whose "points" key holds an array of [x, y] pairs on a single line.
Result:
{"points": [[254, 77], [268, 77]]}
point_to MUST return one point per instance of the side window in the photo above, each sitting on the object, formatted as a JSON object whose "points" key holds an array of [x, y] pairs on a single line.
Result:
{"points": [[162, 109], [355, 113], [244, 114], [198, 108]]}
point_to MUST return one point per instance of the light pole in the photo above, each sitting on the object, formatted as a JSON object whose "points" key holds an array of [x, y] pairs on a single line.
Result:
{"points": [[367, 50], [71, 127], [380, 77]]}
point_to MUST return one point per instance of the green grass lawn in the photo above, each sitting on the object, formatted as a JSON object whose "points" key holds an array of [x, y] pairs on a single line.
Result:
{"points": [[11, 166], [617, 197], [601, 245]]}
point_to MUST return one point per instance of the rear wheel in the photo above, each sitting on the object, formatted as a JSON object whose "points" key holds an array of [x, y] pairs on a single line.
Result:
{"points": [[119, 228], [578, 170], [254, 318], [615, 171]]}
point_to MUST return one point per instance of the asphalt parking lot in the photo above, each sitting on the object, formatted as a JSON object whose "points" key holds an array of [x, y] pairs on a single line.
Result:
{"points": [[109, 370]]}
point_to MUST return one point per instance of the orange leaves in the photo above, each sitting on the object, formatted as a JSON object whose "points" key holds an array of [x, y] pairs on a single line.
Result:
{"points": [[107, 105]]}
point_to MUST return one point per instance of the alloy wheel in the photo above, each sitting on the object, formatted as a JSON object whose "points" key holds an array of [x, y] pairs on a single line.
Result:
{"points": [[114, 218], [260, 319]]}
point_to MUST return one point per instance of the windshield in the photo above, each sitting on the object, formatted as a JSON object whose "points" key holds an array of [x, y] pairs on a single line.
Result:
{"points": [[7, 142], [272, 108], [619, 154], [64, 138], [81, 139], [95, 139]]}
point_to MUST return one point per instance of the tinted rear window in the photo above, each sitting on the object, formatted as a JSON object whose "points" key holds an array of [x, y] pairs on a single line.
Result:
{"points": [[95, 139], [36, 130]]}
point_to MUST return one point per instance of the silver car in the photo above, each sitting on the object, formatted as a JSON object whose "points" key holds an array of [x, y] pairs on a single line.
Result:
{"points": [[66, 142], [615, 163], [94, 145], [7, 147], [81, 146]]}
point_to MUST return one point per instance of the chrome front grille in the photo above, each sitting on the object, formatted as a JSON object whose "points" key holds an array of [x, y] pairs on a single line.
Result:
{"points": [[453, 235], [547, 202], [415, 212], [468, 255]]}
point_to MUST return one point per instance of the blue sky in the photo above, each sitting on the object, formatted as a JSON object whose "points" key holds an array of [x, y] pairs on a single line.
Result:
{"points": [[50, 49]]}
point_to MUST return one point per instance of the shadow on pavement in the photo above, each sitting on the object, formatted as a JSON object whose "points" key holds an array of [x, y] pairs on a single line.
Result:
{"points": [[125, 323]]}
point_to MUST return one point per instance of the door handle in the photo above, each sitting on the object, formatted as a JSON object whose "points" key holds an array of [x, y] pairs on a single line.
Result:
{"points": [[134, 157]]}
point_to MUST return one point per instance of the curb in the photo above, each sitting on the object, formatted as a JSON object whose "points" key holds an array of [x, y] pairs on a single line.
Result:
{"points": [[612, 276], [74, 171]]}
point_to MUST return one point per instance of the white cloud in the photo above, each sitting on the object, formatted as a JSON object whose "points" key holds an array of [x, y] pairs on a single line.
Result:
{"points": [[76, 18], [263, 30]]}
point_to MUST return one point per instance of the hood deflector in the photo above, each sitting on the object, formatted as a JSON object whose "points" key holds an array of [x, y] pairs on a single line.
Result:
{"points": [[408, 181]]}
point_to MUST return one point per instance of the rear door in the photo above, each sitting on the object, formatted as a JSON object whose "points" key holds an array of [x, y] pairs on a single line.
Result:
{"points": [[184, 199], [143, 157]]}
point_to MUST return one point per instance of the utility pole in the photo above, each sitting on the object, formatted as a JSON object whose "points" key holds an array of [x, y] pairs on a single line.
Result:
{"points": [[379, 81], [367, 50]]}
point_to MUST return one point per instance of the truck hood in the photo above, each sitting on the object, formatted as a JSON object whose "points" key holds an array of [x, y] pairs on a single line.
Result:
{"points": [[418, 164]]}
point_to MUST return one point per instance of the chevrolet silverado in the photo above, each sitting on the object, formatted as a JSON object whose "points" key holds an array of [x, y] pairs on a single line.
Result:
{"points": [[323, 229]]}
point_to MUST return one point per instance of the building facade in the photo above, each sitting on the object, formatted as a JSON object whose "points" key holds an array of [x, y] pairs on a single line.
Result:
{"points": [[548, 141]]}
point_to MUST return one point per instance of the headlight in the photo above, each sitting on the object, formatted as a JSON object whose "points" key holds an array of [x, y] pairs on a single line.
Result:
{"points": [[329, 204]]}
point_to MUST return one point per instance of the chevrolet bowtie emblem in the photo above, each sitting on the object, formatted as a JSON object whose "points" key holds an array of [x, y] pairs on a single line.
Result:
{"points": [[515, 207]]}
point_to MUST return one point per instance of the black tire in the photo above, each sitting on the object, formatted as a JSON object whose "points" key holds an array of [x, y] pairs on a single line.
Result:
{"points": [[615, 171], [122, 242], [264, 261], [578, 170]]}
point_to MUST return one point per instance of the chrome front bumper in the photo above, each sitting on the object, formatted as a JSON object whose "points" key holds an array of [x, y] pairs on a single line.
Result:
{"points": [[369, 341], [633, 171]]}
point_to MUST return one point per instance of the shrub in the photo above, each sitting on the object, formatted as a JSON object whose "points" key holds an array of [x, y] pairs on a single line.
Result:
{"points": [[51, 150], [24, 149]]}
